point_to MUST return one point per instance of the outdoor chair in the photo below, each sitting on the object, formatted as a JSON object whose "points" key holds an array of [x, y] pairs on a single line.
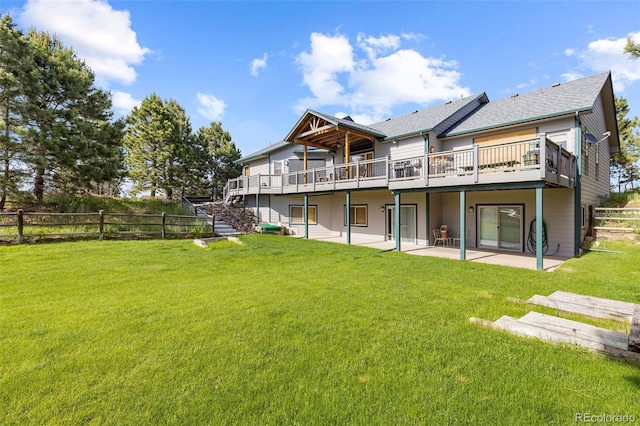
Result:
{"points": [[437, 237]]}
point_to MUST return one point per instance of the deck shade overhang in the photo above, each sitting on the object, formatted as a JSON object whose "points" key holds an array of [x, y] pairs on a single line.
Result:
{"points": [[325, 132]]}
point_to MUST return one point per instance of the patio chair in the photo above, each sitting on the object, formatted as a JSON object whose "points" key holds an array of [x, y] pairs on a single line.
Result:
{"points": [[437, 237], [456, 240]]}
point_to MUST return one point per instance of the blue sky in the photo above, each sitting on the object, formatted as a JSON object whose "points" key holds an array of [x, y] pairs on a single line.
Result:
{"points": [[256, 66]]}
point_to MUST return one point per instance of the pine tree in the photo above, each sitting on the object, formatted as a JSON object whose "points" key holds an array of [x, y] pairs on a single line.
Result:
{"points": [[158, 145], [222, 156], [14, 63], [625, 169], [65, 111]]}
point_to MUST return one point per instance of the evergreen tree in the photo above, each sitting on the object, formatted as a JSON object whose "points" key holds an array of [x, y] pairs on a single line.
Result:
{"points": [[221, 159], [158, 145], [14, 64], [624, 164], [632, 48], [65, 112]]}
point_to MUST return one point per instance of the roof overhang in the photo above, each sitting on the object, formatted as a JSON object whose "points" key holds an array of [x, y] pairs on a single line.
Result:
{"points": [[326, 132]]}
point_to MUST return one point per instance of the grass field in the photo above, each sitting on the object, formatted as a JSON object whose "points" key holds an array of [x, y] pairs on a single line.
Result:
{"points": [[286, 331]]}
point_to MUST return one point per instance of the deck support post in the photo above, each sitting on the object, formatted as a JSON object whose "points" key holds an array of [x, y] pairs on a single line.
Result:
{"points": [[348, 217], [426, 217], [463, 225], [397, 222], [577, 200], [258, 209], [306, 215], [539, 227]]}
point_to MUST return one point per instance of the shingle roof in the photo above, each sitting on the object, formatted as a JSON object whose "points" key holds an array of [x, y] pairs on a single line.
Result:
{"points": [[348, 122], [557, 100], [264, 151], [422, 120]]}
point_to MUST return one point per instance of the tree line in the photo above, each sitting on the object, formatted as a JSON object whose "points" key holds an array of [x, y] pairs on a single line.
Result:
{"points": [[58, 133]]}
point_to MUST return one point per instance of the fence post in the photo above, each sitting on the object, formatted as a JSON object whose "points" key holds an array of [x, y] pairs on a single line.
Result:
{"points": [[20, 226], [213, 223], [164, 222], [101, 226]]}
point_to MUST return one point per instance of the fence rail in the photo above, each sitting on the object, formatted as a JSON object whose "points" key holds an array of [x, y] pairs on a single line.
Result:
{"points": [[617, 219], [20, 225]]}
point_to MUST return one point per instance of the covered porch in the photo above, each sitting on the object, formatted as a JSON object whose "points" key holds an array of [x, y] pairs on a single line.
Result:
{"points": [[514, 260]]}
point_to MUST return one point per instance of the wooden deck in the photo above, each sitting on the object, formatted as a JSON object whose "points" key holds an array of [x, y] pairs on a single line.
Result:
{"points": [[563, 331]]}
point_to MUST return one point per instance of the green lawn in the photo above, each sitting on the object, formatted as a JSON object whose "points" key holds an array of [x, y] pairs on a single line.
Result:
{"points": [[286, 331]]}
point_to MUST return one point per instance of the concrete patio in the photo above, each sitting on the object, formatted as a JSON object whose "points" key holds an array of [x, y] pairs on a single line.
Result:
{"points": [[515, 260]]}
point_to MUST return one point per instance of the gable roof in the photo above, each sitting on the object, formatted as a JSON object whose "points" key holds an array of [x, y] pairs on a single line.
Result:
{"points": [[554, 101], [429, 119], [263, 152]]}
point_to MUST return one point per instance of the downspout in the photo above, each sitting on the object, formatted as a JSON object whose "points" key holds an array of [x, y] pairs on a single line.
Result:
{"points": [[577, 201]]}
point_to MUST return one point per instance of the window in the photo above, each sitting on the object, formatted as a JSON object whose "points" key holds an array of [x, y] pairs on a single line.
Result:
{"points": [[296, 215], [277, 167], [357, 215], [559, 138], [245, 171], [585, 153]]}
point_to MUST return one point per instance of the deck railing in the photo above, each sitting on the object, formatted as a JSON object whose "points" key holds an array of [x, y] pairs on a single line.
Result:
{"points": [[557, 164]]}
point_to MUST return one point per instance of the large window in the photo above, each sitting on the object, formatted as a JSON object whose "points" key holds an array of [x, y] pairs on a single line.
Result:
{"points": [[357, 215], [296, 215]]}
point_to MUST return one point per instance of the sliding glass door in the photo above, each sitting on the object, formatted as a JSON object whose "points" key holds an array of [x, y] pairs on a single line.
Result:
{"points": [[408, 229], [501, 227]]}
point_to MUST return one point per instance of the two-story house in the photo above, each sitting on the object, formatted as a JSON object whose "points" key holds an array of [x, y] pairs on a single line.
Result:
{"points": [[517, 174]]}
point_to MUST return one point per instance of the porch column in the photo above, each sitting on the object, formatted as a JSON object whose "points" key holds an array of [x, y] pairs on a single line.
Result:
{"points": [[539, 223], [397, 222], [463, 225], [348, 214], [306, 215], [426, 217]]}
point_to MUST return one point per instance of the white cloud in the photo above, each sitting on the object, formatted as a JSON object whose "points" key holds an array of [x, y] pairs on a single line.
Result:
{"points": [[321, 67], [211, 107], [98, 34], [371, 86], [608, 54], [570, 52], [377, 46], [123, 102], [257, 64]]}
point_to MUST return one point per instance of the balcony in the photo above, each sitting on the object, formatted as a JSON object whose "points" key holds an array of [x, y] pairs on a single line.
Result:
{"points": [[506, 163]]}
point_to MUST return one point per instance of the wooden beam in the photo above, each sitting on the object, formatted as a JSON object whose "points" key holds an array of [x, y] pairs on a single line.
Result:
{"points": [[316, 132]]}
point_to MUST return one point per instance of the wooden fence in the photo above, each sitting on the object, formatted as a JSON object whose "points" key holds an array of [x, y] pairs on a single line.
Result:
{"points": [[617, 219], [20, 225]]}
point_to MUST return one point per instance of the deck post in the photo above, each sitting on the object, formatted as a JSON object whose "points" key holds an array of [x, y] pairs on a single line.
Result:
{"points": [[426, 217], [397, 222], [539, 227], [542, 155], [577, 200], [476, 158], [348, 214], [258, 208], [463, 225], [306, 215]]}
